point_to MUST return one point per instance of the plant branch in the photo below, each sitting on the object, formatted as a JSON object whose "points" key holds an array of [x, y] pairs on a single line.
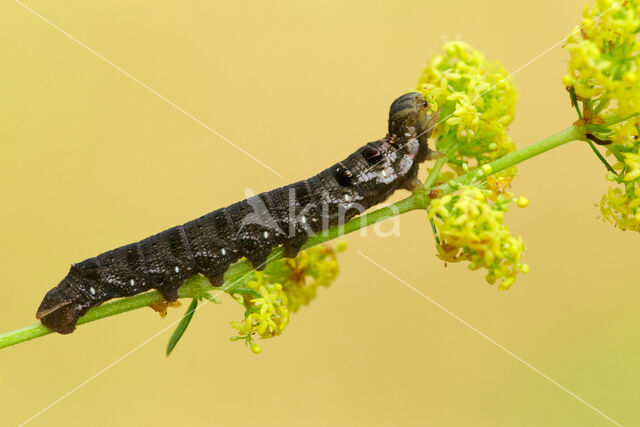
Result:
{"points": [[198, 285], [573, 133]]}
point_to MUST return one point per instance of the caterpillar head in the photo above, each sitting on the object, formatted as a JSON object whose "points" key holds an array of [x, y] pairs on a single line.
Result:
{"points": [[381, 167], [63, 305], [409, 116]]}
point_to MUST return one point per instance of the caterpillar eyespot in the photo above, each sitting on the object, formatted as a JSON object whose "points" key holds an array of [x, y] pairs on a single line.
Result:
{"points": [[251, 228], [373, 156], [343, 176]]}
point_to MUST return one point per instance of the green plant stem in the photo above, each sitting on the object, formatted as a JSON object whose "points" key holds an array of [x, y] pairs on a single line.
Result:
{"points": [[429, 183], [197, 285], [574, 101], [601, 158], [433, 176], [572, 133]]}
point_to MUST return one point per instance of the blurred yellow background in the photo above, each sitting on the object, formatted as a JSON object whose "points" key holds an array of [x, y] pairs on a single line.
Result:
{"points": [[91, 160]]}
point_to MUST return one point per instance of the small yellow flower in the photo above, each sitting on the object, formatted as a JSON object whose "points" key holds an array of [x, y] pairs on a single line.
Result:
{"points": [[632, 161], [622, 208], [499, 186], [341, 246], [522, 202]]}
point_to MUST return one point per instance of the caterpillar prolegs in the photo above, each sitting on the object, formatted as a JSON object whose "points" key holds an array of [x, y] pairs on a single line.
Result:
{"points": [[251, 228]]}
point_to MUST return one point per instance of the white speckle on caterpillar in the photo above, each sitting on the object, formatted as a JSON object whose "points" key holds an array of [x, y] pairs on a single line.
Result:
{"points": [[266, 235], [223, 251], [303, 219], [347, 198], [93, 291], [177, 269], [132, 282]]}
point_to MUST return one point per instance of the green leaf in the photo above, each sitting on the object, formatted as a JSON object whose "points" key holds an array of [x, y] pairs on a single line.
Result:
{"points": [[615, 119], [601, 157], [182, 326], [574, 101], [211, 298], [435, 232], [599, 128], [246, 291]]}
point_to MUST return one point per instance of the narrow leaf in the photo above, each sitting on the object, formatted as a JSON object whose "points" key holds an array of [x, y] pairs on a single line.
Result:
{"points": [[435, 232], [182, 326]]}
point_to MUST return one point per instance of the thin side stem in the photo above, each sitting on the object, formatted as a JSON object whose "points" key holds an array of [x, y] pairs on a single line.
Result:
{"points": [[433, 176], [601, 157], [197, 285], [574, 101]]}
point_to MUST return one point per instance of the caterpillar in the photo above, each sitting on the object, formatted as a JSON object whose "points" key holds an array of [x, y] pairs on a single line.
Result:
{"points": [[250, 228]]}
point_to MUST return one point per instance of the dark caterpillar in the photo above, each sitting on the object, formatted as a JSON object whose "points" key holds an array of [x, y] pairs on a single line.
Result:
{"points": [[251, 228]]}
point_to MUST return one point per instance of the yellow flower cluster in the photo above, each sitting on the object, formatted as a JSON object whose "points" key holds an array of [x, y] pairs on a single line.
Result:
{"points": [[603, 71], [267, 314], [604, 62], [476, 100], [270, 296], [622, 208], [620, 205], [470, 228], [317, 263]]}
